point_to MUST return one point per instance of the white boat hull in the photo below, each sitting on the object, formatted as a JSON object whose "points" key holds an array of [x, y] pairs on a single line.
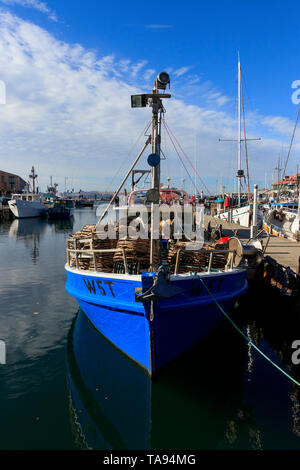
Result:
{"points": [[239, 216], [24, 209], [288, 227]]}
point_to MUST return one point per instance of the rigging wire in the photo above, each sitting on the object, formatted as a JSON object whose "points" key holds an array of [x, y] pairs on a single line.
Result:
{"points": [[290, 148], [127, 156], [192, 181], [245, 140], [188, 159], [165, 153]]}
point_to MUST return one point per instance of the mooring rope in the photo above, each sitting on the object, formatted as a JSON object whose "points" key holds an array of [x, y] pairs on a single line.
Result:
{"points": [[246, 337]]}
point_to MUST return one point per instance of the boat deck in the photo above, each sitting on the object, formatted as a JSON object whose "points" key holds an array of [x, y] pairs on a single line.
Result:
{"points": [[283, 251]]}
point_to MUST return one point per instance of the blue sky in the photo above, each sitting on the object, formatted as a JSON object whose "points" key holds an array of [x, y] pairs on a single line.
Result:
{"points": [[70, 66]]}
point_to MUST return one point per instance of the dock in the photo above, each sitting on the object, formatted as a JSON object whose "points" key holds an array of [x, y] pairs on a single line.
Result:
{"points": [[281, 256]]}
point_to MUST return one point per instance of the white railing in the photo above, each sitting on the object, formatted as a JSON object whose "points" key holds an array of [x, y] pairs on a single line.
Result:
{"points": [[77, 251], [229, 264], [91, 252]]}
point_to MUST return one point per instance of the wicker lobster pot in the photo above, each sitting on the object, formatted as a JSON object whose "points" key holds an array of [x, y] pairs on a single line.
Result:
{"points": [[137, 251], [195, 261], [86, 261]]}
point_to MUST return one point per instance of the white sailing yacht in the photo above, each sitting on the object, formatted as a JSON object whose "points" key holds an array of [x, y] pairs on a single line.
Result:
{"points": [[240, 214], [27, 204]]}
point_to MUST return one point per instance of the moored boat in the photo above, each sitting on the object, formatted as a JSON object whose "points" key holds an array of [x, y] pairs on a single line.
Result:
{"points": [[151, 300], [282, 219], [61, 209], [27, 204]]}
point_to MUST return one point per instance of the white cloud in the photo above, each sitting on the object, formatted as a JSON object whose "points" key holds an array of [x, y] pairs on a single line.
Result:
{"points": [[279, 124], [137, 67], [149, 73], [181, 71], [68, 113], [217, 98], [35, 4]]}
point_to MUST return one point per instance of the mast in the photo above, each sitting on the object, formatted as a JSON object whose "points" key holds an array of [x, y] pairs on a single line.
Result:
{"points": [[157, 110], [239, 174], [290, 148], [33, 176], [278, 177], [155, 101], [195, 164]]}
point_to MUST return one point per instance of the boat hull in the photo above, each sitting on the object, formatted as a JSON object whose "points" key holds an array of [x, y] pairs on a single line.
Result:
{"points": [[25, 209], [239, 216], [154, 333], [55, 214]]}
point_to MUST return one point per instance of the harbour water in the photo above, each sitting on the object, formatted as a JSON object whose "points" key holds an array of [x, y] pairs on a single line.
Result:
{"points": [[63, 386]]}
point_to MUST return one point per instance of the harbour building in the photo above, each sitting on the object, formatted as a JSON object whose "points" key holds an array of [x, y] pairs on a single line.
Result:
{"points": [[10, 183]]}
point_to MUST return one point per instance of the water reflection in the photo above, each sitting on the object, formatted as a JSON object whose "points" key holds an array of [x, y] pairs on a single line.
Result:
{"points": [[273, 326], [30, 232], [242, 430], [190, 405], [221, 395], [22, 228], [63, 225]]}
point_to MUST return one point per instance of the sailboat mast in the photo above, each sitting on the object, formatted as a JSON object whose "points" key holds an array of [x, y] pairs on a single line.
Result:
{"points": [[195, 158], [239, 131]]}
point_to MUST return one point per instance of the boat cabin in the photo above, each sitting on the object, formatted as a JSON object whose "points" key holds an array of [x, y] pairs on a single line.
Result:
{"points": [[167, 196]]}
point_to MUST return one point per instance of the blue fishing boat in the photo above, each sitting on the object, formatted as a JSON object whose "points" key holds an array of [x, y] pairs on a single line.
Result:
{"points": [[152, 299]]}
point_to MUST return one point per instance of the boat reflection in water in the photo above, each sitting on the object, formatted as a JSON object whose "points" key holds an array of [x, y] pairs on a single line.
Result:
{"points": [[29, 231], [26, 228], [274, 398], [62, 225], [189, 405]]}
